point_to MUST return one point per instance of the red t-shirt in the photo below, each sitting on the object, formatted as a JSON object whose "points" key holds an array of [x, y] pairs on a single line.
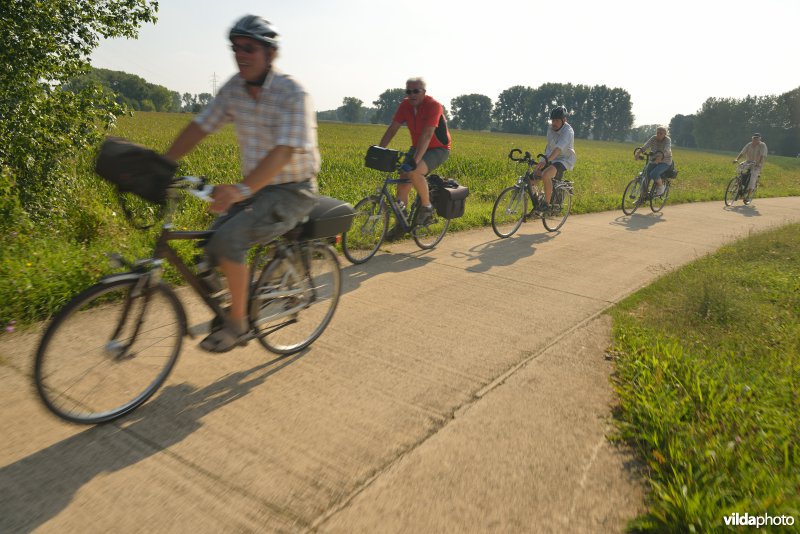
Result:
{"points": [[429, 113]]}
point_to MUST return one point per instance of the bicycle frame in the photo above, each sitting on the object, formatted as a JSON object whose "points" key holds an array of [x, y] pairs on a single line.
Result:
{"points": [[387, 198]]}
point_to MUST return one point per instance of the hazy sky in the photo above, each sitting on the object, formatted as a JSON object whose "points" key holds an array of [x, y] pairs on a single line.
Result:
{"points": [[670, 55]]}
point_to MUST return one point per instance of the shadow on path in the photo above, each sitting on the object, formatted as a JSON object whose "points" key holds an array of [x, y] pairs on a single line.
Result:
{"points": [[500, 252], [745, 211], [636, 222], [37, 488]]}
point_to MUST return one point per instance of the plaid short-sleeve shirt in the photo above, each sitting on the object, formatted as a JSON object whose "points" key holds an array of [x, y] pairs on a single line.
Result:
{"points": [[282, 115]]}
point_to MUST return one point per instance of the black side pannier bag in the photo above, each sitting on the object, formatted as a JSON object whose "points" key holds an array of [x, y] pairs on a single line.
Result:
{"points": [[449, 198], [330, 217], [132, 168], [671, 172], [382, 159]]}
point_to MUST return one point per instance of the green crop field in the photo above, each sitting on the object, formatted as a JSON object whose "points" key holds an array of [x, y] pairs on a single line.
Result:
{"points": [[41, 268]]}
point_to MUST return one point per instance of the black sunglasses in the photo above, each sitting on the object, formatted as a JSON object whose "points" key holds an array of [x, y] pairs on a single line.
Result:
{"points": [[246, 48], [415, 91]]}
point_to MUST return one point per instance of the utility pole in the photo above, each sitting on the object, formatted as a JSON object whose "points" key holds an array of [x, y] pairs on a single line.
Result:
{"points": [[214, 84]]}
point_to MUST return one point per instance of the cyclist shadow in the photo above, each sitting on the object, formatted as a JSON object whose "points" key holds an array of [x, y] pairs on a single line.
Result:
{"points": [[380, 264], [503, 252], [745, 211], [636, 222], [37, 488]]}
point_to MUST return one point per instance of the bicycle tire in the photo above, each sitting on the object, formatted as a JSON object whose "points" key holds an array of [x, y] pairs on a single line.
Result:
{"points": [[95, 364], [291, 307], [632, 197], [558, 210], [367, 231], [657, 202], [732, 191], [748, 197], [512, 208], [429, 235]]}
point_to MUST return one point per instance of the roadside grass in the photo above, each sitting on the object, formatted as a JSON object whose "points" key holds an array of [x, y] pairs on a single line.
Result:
{"points": [[708, 377], [89, 223]]}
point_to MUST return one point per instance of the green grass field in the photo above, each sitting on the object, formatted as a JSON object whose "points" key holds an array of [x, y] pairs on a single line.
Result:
{"points": [[708, 375], [42, 268]]}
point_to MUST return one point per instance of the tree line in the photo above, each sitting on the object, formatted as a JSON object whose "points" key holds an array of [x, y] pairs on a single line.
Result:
{"points": [[138, 94], [603, 113], [727, 123], [597, 112]]}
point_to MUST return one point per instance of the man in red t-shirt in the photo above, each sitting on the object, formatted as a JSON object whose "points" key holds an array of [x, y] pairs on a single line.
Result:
{"points": [[430, 142]]}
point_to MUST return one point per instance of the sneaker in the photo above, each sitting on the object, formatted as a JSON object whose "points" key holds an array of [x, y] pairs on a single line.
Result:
{"points": [[395, 233], [424, 215], [660, 190], [540, 209]]}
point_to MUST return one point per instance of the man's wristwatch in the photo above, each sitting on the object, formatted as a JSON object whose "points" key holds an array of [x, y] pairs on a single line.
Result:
{"points": [[244, 190]]}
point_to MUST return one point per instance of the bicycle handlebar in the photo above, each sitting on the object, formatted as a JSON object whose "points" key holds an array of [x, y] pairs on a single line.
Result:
{"points": [[527, 158]]}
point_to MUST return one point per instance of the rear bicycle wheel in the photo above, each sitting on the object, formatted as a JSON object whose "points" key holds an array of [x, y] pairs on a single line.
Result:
{"points": [[557, 212], [367, 231], [429, 235], [294, 301], [632, 196], [508, 211], [109, 350], [657, 202], [732, 191]]}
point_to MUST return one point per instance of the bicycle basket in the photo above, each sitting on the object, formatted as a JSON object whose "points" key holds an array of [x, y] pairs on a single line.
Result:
{"points": [[382, 159], [132, 168]]}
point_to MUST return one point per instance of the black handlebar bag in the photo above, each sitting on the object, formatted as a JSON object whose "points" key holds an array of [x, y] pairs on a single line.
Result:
{"points": [[136, 169]]}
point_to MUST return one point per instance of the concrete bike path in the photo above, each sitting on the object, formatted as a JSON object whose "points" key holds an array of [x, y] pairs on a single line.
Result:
{"points": [[460, 389]]}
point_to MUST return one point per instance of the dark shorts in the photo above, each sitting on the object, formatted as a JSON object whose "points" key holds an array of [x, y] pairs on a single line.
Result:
{"points": [[433, 157], [273, 211], [560, 170]]}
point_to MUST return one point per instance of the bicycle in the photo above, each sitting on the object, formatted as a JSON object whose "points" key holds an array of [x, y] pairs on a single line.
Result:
{"points": [[639, 191], [737, 187], [511, 208], [112, 346], [368, 231]]}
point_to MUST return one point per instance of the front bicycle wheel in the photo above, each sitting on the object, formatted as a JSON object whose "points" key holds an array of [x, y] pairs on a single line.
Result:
{"points": [[367, 231], [558, 211], [428, 236], [294, 300], [748, 197], [108, 350], [657, 202], [631, 198], [508, 211], [732, 192]]}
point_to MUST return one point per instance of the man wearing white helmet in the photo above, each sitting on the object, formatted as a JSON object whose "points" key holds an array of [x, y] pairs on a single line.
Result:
{"points": [[277, 133]]}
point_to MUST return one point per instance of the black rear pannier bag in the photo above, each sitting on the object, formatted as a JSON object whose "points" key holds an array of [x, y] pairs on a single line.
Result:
{"points": [[330, 217], [382, 159], [671, 172], [449, 198], [132, 168]]}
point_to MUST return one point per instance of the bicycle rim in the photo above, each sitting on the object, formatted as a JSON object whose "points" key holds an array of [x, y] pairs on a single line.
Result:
{"points": [[632, 197], [508, 211], [367, 231], [291, 307], [429, 235], [108, 351], [558, 211], [732, 192]]}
